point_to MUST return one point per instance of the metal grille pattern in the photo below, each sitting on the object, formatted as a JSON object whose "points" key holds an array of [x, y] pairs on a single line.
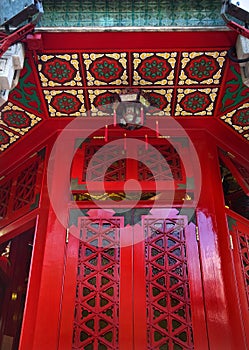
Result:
{"points": [[168, 301], [97, 291], [25, 187], [244, 255]]}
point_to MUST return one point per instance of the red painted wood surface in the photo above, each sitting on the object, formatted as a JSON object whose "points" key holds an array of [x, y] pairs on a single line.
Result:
{"points": [[139, 287], [139, 40], [222, 312], [239, 231], [218, 308], [126, 331], [132, 298]]}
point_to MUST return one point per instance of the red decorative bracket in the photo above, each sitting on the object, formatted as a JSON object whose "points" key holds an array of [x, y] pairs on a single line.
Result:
{"points": [[23, 34], [238, 28], [234, 25]]}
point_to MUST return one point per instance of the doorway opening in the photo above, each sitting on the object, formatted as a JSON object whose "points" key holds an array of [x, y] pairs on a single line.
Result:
{"points": [[15, 258]]}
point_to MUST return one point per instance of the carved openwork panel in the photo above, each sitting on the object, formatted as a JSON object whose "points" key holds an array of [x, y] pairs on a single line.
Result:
{"points": [[115, 172], [25, 187], [20, 190], [243, 239], [107, 166], [171, 169], [4, 198], [239, 243], [168, 300], [97, 291]]}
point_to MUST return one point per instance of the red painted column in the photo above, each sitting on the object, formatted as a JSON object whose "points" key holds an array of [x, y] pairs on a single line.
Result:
{"points": [[69, 288], [239, 331], [126, 331], [139, 285], [221, 301], [49, 308], [41, 324]]}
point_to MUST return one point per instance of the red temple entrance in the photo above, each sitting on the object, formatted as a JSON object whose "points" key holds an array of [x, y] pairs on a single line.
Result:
{"points": [[129, 273], [148, 248], [133, 271]]}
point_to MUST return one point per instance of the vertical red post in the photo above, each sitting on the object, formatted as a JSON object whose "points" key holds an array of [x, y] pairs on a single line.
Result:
{"points": [[126, 289], [221, 300]]}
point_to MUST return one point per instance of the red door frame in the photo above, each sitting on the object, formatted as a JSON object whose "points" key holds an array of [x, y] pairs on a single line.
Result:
{"points": [[224, 322], [239, 224], [13, 230]]}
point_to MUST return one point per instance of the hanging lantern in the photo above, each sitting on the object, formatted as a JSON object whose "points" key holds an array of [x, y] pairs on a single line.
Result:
{"points": [[130, 109]]}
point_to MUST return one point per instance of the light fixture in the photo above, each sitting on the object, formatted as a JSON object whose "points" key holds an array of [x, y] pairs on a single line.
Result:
{"points": [[130, 108]]}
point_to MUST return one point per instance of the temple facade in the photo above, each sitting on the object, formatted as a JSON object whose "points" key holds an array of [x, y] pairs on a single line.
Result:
{"points": [[124, 182]]}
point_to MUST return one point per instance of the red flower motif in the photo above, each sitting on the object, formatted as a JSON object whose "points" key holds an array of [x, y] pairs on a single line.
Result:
{"points": [[241, 117], [195, 102], [201, 68], [66, 103], [104, 102], [157, 102], [154, 69], [17, 119], [106, 69], [59, 70], [4, 138]]}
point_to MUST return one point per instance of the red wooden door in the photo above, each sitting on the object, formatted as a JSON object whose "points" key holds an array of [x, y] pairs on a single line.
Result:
{"points": [[132, 281]]}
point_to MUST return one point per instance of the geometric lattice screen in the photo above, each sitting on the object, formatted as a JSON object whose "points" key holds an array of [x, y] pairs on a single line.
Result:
{"points": [[239, 231], [20, 190], [97, 313], [119, 169], [97, 292], [168, 300], [243, 240]]}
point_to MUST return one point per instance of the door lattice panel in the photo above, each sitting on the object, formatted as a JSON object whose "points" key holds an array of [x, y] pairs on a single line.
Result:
{"points": [[243, 240], [97, 291], [168, 301]]}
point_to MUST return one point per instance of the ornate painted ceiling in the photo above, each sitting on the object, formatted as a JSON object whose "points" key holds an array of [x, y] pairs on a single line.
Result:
{"points": [[187, 75]]}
